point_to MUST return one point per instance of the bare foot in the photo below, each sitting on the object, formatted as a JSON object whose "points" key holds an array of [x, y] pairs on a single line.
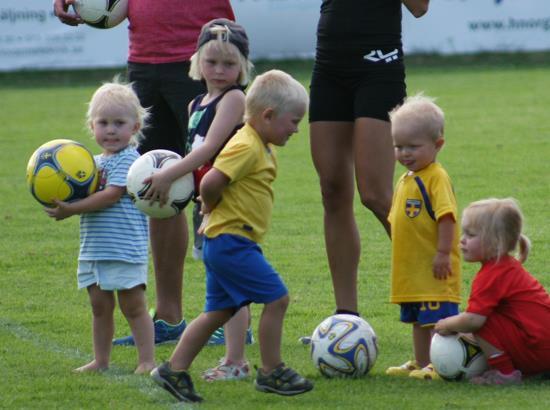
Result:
{"points": [[145, 368], [93, 366]]}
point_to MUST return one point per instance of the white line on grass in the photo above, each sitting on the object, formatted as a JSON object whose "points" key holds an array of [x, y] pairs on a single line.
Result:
{"points": [[143, 384]]}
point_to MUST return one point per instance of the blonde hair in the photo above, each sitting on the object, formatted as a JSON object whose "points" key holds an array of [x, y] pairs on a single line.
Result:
{"points": [[277, 90], [499, 223], [226, 49], [120, 95], [421, 114]]}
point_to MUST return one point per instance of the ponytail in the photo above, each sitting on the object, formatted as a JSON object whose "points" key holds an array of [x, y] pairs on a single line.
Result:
{"points": [[524, 247]]}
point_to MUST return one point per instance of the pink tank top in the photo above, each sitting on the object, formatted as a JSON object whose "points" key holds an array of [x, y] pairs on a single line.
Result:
{"points": [[166, 31]]}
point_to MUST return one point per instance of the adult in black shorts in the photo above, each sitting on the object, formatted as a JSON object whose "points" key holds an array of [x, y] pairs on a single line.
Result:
{"points": [[358, 77]]}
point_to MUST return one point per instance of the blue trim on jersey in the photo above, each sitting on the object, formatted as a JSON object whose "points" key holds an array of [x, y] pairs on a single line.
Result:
{"points": [[425, 196]]}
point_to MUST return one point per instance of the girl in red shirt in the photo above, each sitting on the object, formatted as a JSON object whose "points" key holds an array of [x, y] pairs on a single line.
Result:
{"points": [[508, 310]]}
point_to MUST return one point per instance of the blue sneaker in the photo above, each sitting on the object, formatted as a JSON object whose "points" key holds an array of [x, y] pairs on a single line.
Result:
{"points": [[218, 337], [164, 333]]}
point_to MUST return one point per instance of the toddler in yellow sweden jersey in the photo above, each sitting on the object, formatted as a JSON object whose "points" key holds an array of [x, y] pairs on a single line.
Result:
{"points": [[425, 277]]}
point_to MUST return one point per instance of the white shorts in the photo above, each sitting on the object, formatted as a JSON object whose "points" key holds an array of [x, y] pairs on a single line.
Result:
{"points": [[111, 275]]}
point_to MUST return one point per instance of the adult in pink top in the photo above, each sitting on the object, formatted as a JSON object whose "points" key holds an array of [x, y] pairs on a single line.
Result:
{"points": [[160, 33], [162, 38]]}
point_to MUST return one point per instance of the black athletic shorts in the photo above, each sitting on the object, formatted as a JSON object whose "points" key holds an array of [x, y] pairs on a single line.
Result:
{"points": [[345, 95], [358, 70], [167, 90]]}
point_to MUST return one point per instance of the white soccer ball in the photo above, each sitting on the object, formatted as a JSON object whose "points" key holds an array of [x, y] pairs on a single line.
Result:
{"points": [[455, 358], [180, 193], [102, 13], [344, 346]]}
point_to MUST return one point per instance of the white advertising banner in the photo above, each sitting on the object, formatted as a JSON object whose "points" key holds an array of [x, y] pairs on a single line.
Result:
{"points": [[31, 37], [468, 26]]}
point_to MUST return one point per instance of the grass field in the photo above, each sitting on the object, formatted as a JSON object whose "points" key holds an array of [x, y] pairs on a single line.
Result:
{"points": [[498, 144]]}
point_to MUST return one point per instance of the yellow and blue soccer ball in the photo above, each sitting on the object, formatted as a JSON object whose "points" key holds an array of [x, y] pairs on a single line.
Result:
{"points": [[61, 169]]}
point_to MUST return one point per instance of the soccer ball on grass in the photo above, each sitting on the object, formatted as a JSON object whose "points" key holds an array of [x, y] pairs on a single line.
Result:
{"points": [[455, 358], [181, 191], [344, 346], [61, 169]]}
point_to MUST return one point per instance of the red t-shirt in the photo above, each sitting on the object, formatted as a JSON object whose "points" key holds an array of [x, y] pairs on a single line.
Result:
{"points": [[166, 31], [507, 289]]}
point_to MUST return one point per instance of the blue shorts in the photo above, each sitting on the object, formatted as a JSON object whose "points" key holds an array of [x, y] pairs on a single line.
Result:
{"points": [[427, 313], [111, 275], [237, 274]]}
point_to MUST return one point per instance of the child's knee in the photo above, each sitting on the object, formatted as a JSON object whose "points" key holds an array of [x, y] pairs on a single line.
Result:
{"points": [[133, 310], [281, 303], [103, 308], [132, 307]]}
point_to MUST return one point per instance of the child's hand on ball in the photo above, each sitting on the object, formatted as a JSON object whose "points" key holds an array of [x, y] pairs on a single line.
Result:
{"points": [[158, 190], [441, 328], [61, 210]]}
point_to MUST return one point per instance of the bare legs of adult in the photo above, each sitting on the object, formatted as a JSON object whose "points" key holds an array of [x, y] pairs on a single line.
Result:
{"points": [[332, 153], [345, 154], [169, 239], [374, 166]]}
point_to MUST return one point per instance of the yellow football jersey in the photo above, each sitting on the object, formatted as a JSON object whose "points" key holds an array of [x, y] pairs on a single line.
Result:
{"points": [[420, 199], [246, 205]]}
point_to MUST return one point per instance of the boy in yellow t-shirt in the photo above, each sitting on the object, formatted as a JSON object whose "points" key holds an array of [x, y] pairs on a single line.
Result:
{"points": [[237, 200], [425, 278]]}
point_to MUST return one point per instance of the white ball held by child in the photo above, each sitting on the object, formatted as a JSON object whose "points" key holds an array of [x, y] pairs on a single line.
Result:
{"points": [[102, 13], [180, 193], [455, 358], [344, 346]]}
